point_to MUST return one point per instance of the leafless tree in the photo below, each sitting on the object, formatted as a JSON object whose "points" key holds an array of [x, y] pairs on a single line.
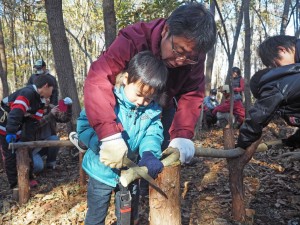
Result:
{"points": [[61, 52]]}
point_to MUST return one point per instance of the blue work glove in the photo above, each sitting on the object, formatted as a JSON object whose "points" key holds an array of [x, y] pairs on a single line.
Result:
{"points": [[10, 138], [68, 101], [153, 164]]}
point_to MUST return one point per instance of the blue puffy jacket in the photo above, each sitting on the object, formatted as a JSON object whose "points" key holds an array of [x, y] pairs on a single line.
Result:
{"points": [[143, 131]]}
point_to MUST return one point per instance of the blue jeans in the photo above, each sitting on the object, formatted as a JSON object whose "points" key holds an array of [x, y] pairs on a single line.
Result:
{"points": [[50, 153], [98, 199]]}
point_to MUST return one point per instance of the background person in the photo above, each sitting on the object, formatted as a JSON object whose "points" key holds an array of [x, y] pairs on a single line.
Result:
{"points": [[40, 68], [222, 111], [238, 83], [26, 104], [46, 130]]}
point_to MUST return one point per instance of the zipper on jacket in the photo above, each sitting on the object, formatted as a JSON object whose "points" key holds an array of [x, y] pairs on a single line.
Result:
{"points": [[135, 112]]}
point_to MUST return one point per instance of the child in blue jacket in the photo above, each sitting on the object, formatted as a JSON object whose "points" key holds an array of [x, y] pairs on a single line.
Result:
{"points": [[139, 114]]}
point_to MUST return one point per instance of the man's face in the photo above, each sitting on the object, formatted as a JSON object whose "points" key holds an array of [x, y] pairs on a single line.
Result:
{"points": [[177, 51]]}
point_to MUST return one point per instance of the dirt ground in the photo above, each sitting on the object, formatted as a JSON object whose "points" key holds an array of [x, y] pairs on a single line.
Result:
{"points": [[272, 190]]}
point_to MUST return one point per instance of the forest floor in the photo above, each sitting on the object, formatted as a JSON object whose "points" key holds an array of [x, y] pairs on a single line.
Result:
{"points": [[272, 190]]}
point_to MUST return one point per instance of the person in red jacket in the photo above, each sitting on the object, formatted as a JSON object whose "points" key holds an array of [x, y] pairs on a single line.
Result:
{"points": [[181, 41], [238, 83], [222, 111]]}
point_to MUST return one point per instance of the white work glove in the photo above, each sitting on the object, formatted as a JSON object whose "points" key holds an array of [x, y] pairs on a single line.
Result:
{"points": [[112, 151], [186, 148], [68, 101]]}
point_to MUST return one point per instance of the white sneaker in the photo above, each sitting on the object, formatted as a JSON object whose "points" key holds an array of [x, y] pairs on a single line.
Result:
{"points": [[73, 136]]}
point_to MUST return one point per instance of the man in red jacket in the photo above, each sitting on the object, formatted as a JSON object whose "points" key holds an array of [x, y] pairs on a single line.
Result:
{"points": [[181, 41]]}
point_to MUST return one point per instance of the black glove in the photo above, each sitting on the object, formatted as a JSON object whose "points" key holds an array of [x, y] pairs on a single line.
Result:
{"points": [[292, 141], [153, 164]]}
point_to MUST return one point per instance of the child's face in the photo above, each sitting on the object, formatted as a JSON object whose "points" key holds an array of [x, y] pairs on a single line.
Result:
{"points": [[286, 57], [136, 94]]}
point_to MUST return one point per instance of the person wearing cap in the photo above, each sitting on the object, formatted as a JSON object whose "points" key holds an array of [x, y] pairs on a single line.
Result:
{"points": [[222, 111], [276, 90], [209, 103], [40, 68], [238, 83]]}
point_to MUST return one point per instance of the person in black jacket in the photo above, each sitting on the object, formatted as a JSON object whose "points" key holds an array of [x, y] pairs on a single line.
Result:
{"points": [[40, 68], [21, 107], [276, 90]]}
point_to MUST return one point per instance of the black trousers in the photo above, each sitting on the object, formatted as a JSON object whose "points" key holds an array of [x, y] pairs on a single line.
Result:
{"points": [[10, 163]]}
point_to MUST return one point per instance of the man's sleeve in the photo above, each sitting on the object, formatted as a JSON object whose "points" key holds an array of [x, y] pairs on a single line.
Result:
{"points": [[99, 99], [17, 112], [259, 116], [188, 109]]}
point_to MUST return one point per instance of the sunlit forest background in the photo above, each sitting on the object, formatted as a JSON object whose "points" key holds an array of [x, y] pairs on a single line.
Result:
{"points": [[25, 36]]}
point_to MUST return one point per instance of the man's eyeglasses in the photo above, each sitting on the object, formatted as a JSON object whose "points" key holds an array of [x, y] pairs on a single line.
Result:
{"points": [[182, 57]]}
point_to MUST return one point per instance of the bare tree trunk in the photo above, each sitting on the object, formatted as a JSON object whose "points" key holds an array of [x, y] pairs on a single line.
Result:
{"points": [[235, 40], [285, 16], [210, 59], [296, 19], [62, 56], [247, 55], [3, 65], [109, 21]]}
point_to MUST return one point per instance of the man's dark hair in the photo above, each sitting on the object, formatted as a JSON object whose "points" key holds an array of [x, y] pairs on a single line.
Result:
{"points": [[194, 22], [268, 49], [43, 79], [148, 69], [236, 70]]}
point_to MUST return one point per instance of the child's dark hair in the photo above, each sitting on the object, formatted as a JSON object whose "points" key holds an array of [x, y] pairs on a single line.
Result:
{"points": [[43, 79], [149, 70], [268, 49]]}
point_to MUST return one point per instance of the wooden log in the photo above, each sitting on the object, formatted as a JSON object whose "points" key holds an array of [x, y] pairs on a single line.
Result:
{"points": [[162, 210], [218, 153], [41, 144], [128, 176], [23, 174]]}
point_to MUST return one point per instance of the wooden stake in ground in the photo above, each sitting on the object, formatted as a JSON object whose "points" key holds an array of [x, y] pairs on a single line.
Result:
{"points": [[236, 176], [82, 175], [23, 174], [162, 210]]}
